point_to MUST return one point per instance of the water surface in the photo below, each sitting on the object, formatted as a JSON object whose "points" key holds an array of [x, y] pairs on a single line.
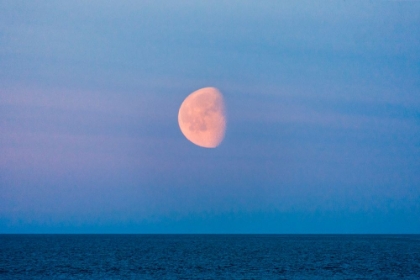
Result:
{"points": [[210, 256]]}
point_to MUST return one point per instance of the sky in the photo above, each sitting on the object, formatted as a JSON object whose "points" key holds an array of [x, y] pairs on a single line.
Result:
{"points": [[322, 102]]}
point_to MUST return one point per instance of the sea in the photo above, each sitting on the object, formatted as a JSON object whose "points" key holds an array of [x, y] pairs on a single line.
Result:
{"points": [[204, 256]]}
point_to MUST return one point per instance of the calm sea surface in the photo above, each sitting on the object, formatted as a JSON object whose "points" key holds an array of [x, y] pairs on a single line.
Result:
{"points": [[210, 256]]}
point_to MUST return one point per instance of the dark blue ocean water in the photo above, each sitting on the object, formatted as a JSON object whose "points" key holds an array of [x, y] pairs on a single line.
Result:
{"points": [[209, 256]]}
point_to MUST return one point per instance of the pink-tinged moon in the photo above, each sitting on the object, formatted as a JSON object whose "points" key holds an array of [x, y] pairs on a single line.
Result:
{"points": [[202, 117]]}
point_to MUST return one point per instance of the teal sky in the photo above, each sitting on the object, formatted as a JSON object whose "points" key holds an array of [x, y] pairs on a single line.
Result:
{"points": [[323, 105]]}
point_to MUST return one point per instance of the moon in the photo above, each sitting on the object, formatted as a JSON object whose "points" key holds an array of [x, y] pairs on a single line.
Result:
{"points": [[202, 117]]}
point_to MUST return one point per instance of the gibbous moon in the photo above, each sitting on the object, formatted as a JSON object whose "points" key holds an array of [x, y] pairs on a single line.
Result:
{"points": [[202, 117]]}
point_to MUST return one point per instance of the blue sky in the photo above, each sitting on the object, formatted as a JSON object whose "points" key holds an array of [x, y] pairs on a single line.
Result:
{"points": [[323, 104]]}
